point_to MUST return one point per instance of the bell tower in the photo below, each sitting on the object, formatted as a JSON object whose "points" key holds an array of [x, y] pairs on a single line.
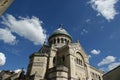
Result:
{"points": [[59, 38]]}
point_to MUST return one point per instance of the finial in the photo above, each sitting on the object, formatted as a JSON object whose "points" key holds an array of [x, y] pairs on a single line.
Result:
{"points": [[44, 43], [60, 25], [78, 41], [22, 69]]}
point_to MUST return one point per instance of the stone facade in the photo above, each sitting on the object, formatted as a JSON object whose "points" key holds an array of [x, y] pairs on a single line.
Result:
{"points": [[11, 75], [4, 4], [61, 59]]}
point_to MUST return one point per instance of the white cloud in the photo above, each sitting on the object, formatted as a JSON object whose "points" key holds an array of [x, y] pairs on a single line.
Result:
{"points": [[102, 28], [89, 56], [17, 70], [110, 66], [2, 59], [119, 59], [106, 8], [29, 28], [114, 35], [105, 69], [94, 51], [84, 31], [107, 60], [88, 20], [113, 65], [7, 36]]}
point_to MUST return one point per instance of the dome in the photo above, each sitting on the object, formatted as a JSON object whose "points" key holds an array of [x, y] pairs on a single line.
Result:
{"points": [[61, 31]]}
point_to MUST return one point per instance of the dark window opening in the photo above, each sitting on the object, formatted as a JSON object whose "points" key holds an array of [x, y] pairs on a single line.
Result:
{"points": [[54, 41], [63, 58], [58, 40], [54, 60], [62, 40]]}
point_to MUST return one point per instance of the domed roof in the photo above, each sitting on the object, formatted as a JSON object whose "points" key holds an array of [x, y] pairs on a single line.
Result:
{"points": [[60, 31]]}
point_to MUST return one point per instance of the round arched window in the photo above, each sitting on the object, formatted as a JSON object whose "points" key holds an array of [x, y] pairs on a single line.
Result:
{"points": [[79, 59]]}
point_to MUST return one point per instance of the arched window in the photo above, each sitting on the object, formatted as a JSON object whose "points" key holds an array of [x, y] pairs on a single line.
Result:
{"points": [[63, 58], [62, 40], [65, 40], [54, 60], [58, 40], [80, 62], [54, 41], [79, 59], [99, 78], [68, 41]]}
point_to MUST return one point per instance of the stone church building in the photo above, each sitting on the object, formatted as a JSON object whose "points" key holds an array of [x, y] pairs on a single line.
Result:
{"points": [[61, 59]]}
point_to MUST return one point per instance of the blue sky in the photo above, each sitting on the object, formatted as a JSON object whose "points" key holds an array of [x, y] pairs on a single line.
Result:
{"points": [[27, 23]]}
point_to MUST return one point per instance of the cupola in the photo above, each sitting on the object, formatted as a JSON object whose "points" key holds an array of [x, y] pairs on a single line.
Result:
{"points": [[60, 37]]}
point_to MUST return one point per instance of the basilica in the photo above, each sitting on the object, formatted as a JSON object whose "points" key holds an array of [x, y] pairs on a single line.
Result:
{"points": [[61, 59]]}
